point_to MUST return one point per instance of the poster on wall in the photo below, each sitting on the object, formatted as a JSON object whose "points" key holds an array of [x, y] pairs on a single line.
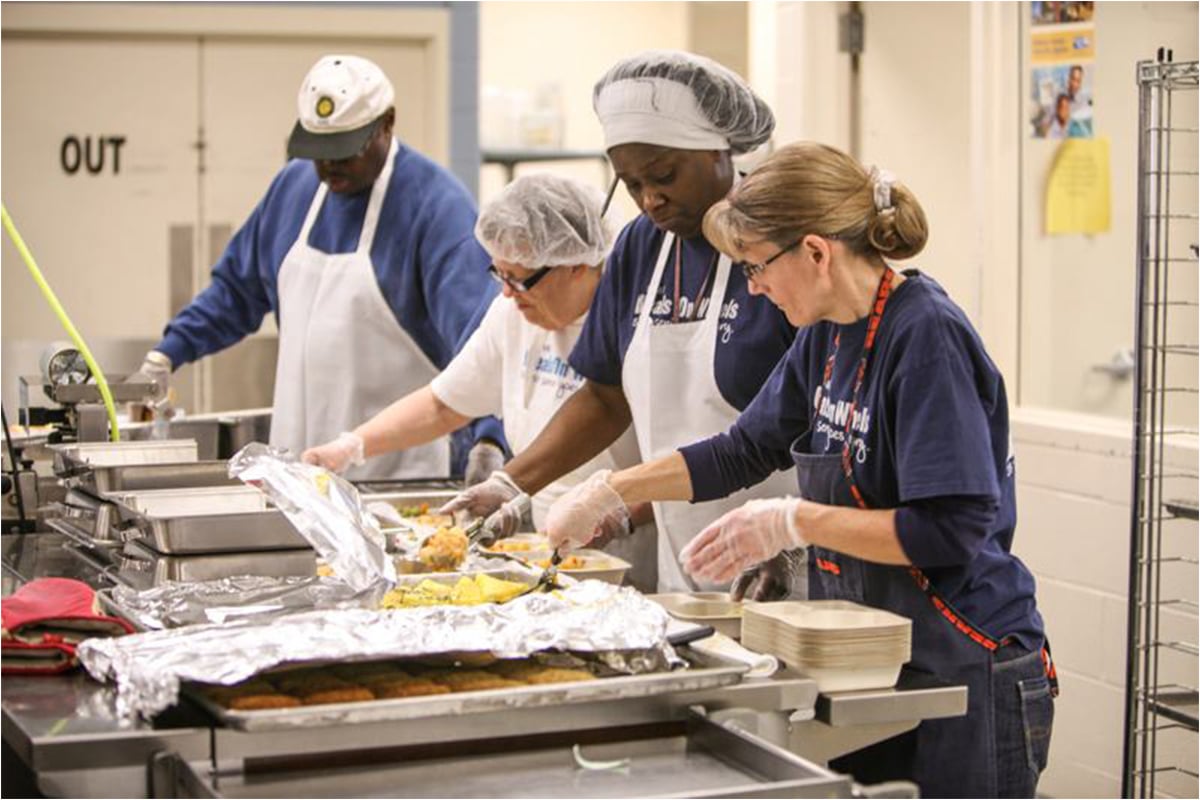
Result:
{"points": [[1063, 64]]}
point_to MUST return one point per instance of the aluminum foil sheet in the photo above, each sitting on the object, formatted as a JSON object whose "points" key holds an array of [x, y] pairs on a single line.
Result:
{"points": [[621, 626], [244, 597], [326, 509]]}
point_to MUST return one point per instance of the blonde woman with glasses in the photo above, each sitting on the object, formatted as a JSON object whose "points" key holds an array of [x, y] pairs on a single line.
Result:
{"points": [[896, 420]]}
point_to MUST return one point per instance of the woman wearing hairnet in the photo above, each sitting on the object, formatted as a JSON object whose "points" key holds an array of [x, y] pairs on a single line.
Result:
{"points": [[548, 240], [896, 420], [675, 342]]}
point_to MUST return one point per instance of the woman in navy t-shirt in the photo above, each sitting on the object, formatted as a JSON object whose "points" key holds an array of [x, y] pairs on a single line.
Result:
{"points": [[896, 420]]}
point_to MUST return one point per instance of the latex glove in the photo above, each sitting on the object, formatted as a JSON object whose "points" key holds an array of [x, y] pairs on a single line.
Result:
{"points": [[484, 458], [506, 520], [591, 510], [485, 498], [155, 368], [771, 580], [346, 451], [742, 538]]}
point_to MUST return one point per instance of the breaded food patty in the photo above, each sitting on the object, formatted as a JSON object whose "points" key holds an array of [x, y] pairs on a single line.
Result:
{"points": [[349, 694], [258, 702], [557, 675]]}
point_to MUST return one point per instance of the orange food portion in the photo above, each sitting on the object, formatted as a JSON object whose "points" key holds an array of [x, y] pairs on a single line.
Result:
{"points": [[505, 546], [444, 550], [568, 563]]}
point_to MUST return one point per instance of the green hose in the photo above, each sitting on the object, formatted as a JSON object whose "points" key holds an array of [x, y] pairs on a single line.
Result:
{"points": [[48, 293]]}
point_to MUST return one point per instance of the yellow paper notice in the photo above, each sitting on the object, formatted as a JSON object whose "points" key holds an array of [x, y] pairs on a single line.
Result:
{"points": [[1077, 195]]}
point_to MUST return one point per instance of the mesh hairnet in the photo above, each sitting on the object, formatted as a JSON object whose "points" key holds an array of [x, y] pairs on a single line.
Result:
{"points": [[544, 220], [725, 102]]}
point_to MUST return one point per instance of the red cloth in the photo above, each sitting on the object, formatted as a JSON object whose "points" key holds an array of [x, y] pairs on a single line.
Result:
{"points": [[45, 619]]}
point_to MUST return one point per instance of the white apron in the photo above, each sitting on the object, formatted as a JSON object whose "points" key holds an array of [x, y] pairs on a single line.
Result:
{"points": [[541, 395], [343, 357], [671, 385]]}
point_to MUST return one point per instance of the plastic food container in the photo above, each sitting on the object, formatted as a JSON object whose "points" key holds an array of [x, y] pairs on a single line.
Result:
{"points": [[705, 608]]}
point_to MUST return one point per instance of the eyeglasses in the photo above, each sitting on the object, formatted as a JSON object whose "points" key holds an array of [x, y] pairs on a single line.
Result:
{"points": [[750, 270], [518, 285]]}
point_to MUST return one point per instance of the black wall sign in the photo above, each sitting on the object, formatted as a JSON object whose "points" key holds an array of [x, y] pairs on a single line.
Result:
{"points": [[92, 153]]}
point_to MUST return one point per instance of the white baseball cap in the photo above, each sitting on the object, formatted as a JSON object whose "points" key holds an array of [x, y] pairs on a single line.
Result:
{"points": [[340, 100]]}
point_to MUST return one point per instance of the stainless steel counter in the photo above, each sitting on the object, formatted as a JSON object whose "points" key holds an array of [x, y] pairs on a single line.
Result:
{"points": [[63, 729]]}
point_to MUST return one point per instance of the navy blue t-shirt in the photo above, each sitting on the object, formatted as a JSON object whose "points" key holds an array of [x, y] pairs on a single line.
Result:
{"points": [[752, 336], [932, 422]]}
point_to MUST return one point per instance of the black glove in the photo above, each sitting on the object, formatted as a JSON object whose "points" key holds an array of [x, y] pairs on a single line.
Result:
{"points": [[772, 579]]}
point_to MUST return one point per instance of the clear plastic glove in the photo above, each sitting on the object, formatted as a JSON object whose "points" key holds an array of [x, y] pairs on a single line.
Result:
{"points": [[484, 458], [591, 510], [771, 580], [346, 451], [485, 498], [156, 369], [506, 520], [742, 538]]}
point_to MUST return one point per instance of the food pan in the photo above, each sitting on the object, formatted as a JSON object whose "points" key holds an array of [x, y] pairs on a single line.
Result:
{"points": [[141, 477], [206, 520], [707, 672], [78, 456], [191, 501], [146, 568]]}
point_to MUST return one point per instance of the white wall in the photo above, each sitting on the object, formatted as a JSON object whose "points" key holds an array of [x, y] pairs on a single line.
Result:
{"points": [[943, 103], [525, 45], [1073, 496]]}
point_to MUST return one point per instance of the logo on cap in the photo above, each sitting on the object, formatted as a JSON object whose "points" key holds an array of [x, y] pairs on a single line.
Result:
{"points": [[324, 107]]}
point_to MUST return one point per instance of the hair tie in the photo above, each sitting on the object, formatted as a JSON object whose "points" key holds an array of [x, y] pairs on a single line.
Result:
{"points": [[881, 188]]}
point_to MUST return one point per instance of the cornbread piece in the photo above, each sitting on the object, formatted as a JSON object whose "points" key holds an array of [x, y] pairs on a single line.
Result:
{"points": [[471, 680], [223, 694], [515, 668], [307, 681], [257, 702], [410, 688], [360, 672], [558, 675], [347, 694]]}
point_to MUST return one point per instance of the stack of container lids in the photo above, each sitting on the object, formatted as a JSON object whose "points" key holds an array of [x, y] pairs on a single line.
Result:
{"points": [[841, 644]]}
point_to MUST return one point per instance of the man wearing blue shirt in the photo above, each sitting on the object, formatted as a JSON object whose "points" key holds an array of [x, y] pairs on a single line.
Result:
{"points": [[366, 256]]}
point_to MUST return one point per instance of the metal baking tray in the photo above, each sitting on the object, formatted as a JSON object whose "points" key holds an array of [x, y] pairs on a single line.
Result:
{"points": [[708, 672], [205, 520], [140, 477], [693, 757]]}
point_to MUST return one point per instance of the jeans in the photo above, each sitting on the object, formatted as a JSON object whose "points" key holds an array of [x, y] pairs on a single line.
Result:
{"points": [[1024, 716]]}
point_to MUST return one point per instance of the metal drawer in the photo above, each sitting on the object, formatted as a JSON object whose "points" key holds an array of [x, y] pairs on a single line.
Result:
{"points": [[694, 757]]}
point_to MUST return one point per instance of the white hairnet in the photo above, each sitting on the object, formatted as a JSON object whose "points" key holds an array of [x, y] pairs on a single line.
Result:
{"points": [[544, 220], [680, 100]]}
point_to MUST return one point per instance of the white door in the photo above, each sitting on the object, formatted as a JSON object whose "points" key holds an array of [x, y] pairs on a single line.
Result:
{"points": [[99, 163]]}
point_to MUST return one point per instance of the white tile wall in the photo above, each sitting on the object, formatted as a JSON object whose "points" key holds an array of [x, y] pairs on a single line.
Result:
{"points": [[1073, 494]]}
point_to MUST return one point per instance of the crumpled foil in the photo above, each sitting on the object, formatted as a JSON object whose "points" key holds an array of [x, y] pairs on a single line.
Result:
{"points": [[260, 597], [623, 627], [325, 508]]}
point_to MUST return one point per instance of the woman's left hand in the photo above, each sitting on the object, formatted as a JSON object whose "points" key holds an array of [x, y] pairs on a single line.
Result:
{"points": [[746, 536]]}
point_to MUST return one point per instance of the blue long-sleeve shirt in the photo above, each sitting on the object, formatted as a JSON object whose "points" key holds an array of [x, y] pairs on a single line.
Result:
{"points": [[431, 271]]}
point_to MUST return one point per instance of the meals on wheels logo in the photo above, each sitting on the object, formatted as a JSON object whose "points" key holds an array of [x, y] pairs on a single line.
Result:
{"points": [[831, 423]]}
